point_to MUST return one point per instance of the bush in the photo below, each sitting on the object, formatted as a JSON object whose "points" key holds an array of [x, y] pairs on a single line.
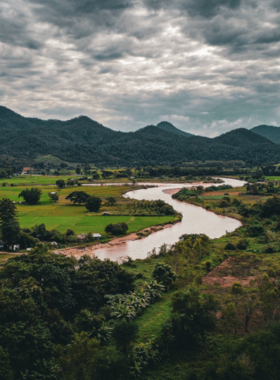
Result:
{"points": [[255, 230], [230, 247], [269, 250], [242, 245], [164, 273], [117, 228]]}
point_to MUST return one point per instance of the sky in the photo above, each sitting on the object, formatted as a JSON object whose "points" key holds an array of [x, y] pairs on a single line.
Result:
{"points": [[206, 66]]}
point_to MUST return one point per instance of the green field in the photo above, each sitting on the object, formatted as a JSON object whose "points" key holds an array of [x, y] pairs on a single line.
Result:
{"points": [[33, 180], [65, 215], [272, 178]]}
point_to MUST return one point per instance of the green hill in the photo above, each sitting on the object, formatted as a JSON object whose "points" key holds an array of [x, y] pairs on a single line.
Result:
{"points": [[268, 131], [168, 127], [84, 140]]}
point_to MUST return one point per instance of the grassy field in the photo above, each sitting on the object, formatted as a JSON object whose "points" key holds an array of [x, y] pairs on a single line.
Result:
{"points": [[65, 215]]}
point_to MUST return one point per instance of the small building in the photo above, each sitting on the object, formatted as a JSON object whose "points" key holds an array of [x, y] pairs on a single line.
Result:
{"points": [[14, 247], [1, 244], [81, 236], [106, 213], [28, 249], [96, 236], [54, 243]]}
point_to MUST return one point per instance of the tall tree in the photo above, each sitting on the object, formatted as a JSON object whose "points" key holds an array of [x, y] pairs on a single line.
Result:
{"points": [[9, 225], [31, 196]]}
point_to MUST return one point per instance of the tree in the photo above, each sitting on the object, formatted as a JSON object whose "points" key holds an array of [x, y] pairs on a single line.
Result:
{"points": [[23, 333], [164, 273], [117, 228], [8, 210], [9, 225], [111, 201], [78, 197], [78, 170], [93, 204], [95, 176], [31, 196], [124, 334], [60, 183], [53, 196], [193, 313]]}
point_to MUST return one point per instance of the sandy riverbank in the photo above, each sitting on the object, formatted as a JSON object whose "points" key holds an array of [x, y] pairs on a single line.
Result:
{"points": [[90, 249]]}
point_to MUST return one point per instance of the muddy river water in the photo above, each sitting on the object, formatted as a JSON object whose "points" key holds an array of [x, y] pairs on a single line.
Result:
{"points": [[196, 220]]}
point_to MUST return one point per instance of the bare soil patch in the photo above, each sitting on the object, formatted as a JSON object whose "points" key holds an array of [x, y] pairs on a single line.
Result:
{"points": [[230, 271]]}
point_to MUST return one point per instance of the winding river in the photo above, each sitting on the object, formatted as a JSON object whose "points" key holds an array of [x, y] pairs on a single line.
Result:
{"points": [[196, 220]]}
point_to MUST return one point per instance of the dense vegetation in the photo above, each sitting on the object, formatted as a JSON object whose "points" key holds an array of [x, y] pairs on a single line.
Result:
{"points": [[178, 314], [84, 140]]}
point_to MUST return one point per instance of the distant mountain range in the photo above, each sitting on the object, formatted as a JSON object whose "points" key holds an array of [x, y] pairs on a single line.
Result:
{"points": [[84, 140], [268, 131]]}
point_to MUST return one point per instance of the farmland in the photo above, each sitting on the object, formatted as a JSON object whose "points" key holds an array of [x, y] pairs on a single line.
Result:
{"points": [[64, 215]]}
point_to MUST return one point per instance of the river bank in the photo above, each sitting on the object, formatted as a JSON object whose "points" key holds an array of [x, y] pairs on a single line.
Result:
{"points": [[196, 220]]}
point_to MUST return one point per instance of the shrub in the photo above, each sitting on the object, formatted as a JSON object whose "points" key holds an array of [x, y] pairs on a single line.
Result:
{"points": [[269, 249], [164, 273], [208, 266], [255, 230], [242, 244], [230, 247], [236, 288]]}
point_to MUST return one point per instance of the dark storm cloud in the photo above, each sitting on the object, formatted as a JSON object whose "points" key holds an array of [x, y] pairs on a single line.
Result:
{"points": [[204, 8], [206, 65]]}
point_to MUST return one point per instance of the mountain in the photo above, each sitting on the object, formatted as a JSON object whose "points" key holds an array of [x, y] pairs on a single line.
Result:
{"points": [[268, 131], [84, 140], [170, 128]]}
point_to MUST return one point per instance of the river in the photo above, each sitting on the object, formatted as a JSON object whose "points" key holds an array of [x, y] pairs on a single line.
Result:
{"points": [[196, 220]]}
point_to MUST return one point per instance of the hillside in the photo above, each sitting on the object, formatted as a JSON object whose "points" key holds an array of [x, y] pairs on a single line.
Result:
{"points": [[168, 127], [268, 131], [84, 140]]}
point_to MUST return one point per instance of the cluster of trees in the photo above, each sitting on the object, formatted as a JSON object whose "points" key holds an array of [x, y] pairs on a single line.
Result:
{"points": [[194, 192], [267, 188], [158, 207], [50, 304], [116, 228], [92, 203], [31, 196]]}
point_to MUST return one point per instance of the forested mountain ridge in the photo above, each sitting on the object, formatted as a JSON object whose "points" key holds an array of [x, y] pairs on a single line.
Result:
{"points": [[270, 132], [170, 128], [84, 140]]}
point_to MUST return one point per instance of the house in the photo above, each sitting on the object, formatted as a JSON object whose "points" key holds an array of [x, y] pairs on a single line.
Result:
{"points": [[106, 213], [28, 249], [14, 247], [81, 236], [54, 243], [96, 236]]}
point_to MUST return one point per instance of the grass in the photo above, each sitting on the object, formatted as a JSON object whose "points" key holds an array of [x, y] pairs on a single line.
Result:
{"points": [[4, 257], [65, 215]]}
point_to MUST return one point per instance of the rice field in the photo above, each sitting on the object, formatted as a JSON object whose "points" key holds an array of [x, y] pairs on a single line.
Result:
{"points": [[64, 214]]}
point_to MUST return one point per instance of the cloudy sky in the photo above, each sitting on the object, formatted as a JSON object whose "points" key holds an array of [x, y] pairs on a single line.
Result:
{"points": [[207, 66]]}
